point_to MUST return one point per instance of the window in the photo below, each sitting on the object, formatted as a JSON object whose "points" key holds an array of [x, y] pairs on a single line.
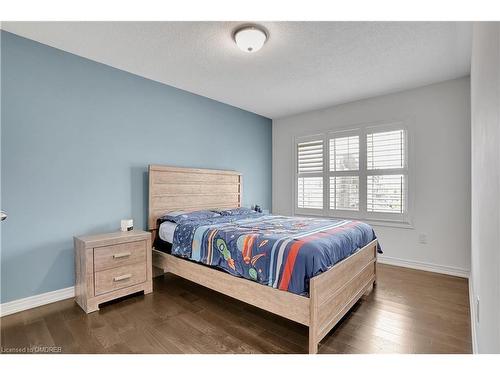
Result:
{"points": [[358, 173], [310, 175], [310, 191], [344, 193], [344, 153], [344, 172], [386, 159]]}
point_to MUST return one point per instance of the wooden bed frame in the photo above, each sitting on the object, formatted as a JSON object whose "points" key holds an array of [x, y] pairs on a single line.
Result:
{"points": [[331, 294]]}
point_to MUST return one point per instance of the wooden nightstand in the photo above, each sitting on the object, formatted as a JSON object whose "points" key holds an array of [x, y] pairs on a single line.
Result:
{"points": [[110, 266]]}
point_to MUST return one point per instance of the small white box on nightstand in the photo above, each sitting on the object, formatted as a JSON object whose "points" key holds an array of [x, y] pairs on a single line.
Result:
{"points": [[127, 225]]}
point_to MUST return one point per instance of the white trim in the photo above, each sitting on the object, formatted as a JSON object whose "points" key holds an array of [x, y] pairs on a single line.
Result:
{"points": [[473, 317], [27, 303], [423, 266], [273, 167]]}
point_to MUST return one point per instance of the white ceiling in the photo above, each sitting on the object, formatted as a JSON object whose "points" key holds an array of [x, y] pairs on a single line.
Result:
{"points": [[303, 66]]}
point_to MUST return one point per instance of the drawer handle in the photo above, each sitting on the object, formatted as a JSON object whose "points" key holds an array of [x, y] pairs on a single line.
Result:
{"points": [[121, 255], [122, 277]]}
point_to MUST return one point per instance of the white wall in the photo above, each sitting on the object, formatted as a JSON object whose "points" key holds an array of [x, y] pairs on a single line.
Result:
{"points": [[485, 183], [438, 119]]}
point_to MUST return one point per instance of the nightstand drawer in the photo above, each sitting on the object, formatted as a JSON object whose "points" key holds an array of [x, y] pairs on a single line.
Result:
{"points": [[107, 257], [120, 277]]}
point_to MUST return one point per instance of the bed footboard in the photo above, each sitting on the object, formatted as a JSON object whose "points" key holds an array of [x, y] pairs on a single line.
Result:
{"points": [[334, 292], [285, 304]]}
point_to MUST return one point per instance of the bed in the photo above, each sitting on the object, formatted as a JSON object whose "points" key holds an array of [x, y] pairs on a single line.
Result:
{"points": [[318, 297]]}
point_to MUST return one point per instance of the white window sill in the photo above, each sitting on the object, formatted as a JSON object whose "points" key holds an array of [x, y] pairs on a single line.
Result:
{"points": [[387, 223], [372, 222]]}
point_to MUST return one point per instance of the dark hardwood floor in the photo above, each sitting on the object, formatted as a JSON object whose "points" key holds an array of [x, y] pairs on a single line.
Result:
{"points": [[408, 312]]}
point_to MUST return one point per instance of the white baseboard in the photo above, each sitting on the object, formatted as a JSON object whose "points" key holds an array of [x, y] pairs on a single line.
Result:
{"points": [[27, 303], [473, 317], [447, 270]]}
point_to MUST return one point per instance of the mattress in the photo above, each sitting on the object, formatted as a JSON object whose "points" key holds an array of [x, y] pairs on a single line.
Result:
{"points": [[278, 251], [166, 231]]}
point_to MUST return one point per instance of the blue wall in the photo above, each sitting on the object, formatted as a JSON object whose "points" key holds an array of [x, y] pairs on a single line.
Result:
{"points": [[77, 137]]}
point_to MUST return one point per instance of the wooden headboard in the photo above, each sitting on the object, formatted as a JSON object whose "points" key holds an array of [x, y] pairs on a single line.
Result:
{"points": [[174, 188]]}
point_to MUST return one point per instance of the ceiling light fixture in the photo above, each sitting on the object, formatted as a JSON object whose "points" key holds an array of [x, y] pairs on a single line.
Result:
{"points": [[250, 38]]}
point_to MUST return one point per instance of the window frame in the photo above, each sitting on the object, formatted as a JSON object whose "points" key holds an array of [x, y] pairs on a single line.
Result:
{"points": [[404, 219], [307, 138], [341, 134]]}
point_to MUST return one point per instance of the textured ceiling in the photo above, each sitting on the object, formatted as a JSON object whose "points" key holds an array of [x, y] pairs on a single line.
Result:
{"points": [[303, 66]]}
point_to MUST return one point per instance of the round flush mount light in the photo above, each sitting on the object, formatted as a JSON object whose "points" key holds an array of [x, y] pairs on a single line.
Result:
{"points": [[250, 38]]}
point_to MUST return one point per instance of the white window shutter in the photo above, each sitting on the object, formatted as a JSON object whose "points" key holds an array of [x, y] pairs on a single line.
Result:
{"points": [[310, 192], [344, 193], [310, 157], [385, 150], [344, 172], [344, 153], [386, 184], [310, 180], [385, 193]]}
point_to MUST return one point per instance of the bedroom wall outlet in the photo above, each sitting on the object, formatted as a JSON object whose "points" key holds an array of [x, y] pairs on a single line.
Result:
{"points": [[422, 238]]}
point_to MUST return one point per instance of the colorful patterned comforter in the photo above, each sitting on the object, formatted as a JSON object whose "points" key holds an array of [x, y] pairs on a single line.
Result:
{"points": [[279, 251]]}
